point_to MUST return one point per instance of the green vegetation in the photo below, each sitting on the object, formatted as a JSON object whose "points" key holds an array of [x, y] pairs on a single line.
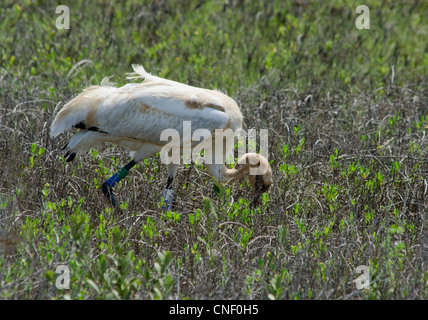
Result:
{"points": [[347, 116]]}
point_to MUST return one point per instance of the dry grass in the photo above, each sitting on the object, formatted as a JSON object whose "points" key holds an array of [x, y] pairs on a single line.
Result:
{"points": [[349, 160]]}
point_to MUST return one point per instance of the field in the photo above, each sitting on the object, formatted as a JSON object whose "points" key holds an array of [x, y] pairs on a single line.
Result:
{"points": [[347, 115]]}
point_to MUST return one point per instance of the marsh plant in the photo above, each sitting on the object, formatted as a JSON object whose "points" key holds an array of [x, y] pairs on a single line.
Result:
{"points": [[347, 120]]}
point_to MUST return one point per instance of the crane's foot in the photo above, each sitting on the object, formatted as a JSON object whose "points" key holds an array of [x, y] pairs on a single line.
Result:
{"points": [[108, 192], [169, 197]]}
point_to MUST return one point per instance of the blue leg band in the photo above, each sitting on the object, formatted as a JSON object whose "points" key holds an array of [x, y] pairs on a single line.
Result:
{"points": [[122, 173], [113, 180]]}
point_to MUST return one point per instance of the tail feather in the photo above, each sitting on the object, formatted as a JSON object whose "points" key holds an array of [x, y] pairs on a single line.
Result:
{"points": [[81, 142], [139, 72], [76, 110], [70, 156], [74, 114], [70, 115]]}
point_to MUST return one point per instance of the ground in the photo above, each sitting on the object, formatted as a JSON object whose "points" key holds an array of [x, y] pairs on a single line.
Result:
{"points": [[347, 117]]}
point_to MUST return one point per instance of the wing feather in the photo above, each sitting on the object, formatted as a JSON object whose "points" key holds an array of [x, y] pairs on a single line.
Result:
{"points": [[143, 110]]}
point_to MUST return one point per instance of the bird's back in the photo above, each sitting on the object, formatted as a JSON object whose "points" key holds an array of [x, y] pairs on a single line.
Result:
{"points": [[141, 111]]}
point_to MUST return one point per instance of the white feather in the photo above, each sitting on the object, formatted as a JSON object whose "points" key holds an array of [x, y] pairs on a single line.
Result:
{"points": [[137, 113]]}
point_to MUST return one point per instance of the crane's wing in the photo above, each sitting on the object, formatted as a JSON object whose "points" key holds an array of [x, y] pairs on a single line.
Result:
{"points": [[139, 112]]}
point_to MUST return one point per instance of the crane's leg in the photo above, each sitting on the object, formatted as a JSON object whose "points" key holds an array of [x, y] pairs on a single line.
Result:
{"points": [[169, 194], [107, 187], [146, 150]]}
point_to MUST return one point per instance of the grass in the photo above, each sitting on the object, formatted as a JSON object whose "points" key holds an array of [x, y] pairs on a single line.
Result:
{"points": [[347, 115]]}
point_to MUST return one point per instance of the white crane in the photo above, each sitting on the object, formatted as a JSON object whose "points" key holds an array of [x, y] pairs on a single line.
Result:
{"points": [[135, 115]]}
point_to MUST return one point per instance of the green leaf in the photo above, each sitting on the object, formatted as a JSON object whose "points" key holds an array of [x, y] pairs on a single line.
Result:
{"points": [[93, 285]]}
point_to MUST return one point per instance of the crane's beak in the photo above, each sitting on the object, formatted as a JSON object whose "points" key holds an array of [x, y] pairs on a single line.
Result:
{"points": [[257, 197]]}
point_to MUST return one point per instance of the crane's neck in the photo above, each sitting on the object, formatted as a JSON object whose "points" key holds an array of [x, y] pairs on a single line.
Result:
{"points": [[249, 163], [236, 173]]}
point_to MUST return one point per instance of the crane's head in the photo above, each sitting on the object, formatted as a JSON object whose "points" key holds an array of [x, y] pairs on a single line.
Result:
{"points": [[260, 173], [258, 169]]}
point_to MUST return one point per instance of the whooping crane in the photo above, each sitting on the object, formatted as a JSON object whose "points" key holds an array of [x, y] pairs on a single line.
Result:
{"points": [[135, 115]]}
